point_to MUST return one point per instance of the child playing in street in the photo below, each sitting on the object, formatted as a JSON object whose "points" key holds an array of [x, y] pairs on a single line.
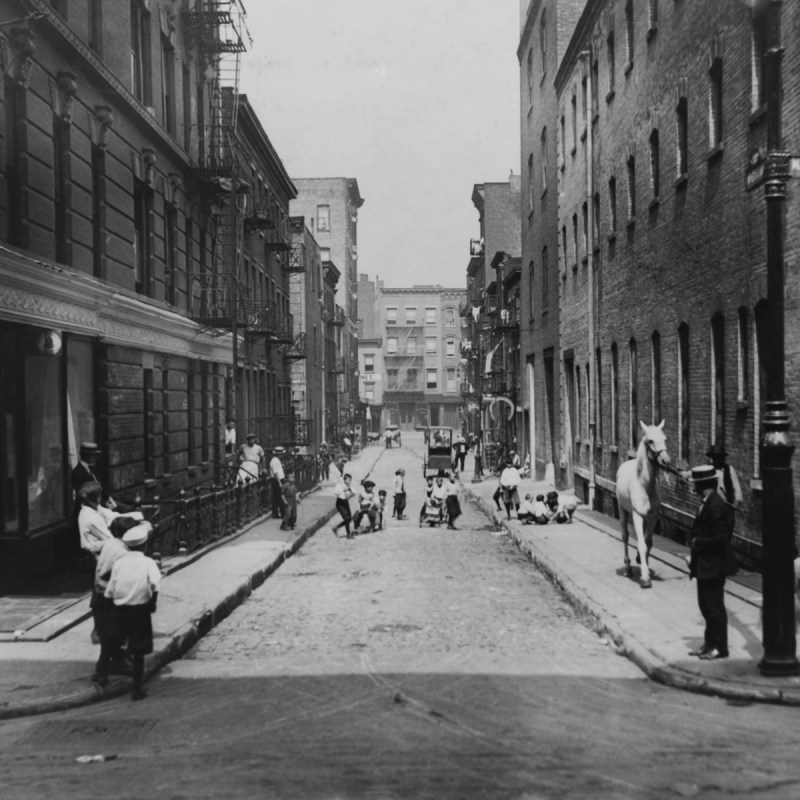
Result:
{"points": [[290, 501], [452, 503], [381, 508], [133, 587]]}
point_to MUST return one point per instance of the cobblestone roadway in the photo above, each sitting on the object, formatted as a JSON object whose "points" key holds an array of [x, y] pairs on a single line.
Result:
{"points": [[408, 664]]}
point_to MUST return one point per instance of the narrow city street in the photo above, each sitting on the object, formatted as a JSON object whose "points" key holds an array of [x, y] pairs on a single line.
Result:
{"points": [[407, 663]]}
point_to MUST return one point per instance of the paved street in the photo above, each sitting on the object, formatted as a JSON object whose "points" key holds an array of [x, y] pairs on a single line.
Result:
{"points": [[406, 663]]}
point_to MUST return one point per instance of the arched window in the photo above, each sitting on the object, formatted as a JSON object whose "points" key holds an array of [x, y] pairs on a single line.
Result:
{"points": [[614, 395], [633, 395], [655, 376], [718, 379], [683, 390]]}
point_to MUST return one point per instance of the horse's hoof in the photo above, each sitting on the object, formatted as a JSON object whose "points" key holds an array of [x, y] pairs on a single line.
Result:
{"points": [[646, 584]]}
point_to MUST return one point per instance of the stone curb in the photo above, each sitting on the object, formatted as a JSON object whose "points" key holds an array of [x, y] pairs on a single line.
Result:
{"points": [[652, 664]]}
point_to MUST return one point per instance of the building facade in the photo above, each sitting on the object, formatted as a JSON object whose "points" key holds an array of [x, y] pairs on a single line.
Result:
{"points": [[330, 206], [143, 280], [546, 29], [663, 242], [421, 332], [491, 316]]}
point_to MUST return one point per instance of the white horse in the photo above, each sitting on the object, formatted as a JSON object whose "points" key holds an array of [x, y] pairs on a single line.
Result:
{"points": [[638, 498]]}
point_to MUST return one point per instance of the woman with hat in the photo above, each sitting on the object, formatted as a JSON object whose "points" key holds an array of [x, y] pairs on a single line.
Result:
{"points": [[710, 557]]}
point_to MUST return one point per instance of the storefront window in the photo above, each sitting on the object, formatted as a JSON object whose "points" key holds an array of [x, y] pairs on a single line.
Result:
{"points": [[45, 470], [80, 396]]}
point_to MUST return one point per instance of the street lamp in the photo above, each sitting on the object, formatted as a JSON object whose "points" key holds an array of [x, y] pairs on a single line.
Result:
{"points": [[778, 623]]}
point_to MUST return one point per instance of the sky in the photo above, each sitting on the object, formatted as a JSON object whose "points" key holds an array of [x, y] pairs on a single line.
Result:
{"points": [[418, 100]]}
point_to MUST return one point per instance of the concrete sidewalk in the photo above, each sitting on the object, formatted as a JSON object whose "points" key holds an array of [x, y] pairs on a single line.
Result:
{"points": [[51, 670], [655, 628]]}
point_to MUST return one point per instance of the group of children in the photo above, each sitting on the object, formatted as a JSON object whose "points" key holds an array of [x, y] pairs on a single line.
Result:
{"points": [[441, 500], [543, 510], [371, 504]]}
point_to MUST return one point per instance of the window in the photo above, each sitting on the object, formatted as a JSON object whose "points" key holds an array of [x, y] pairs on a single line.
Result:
{"points": [[450, 348], [614, 394], [15, 102], [543, 40], [530, 289], [430, 344], [612, 203], [584, 103], [411, 345], [585, 215], [655, 376], [574, 120], [98, 157], [140, 53], [391, 379], [168, 99], [451, 380], [633, 395], [743, 355], [431, 379], [369, 392], [96, 26], [544, 159], [325, 255], [369, 362], [142, 230], [430, 315], [323, 218], [61, 182], [564, 254], [655, 158], [411, 315], [595, 86], [391, 345], [682, 125], [563, 126], [529, 69], [450, 317], [612, 69], [718, 379], [391, 315], [629, 34], [530, 184], [653, 16], [411, 379], [596, 220], [545, 281], [575, 239], [758, 91], [715, 129], [631, 187], [598, 406], [683, 390], [171, 252]]}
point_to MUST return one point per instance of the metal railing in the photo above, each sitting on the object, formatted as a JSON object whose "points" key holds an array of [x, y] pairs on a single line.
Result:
{"points": [[276, 326]]}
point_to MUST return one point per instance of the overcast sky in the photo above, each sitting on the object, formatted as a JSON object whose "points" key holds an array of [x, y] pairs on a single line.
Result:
{"points": [[418, 100]]}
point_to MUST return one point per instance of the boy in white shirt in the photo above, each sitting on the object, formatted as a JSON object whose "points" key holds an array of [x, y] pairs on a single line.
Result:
{"points": [[133, 587]]}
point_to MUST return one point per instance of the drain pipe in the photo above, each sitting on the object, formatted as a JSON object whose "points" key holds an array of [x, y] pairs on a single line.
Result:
{"points": [[586, 59]]}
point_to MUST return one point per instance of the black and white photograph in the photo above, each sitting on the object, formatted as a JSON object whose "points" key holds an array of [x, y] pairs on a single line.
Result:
{"points": [[399, 400]]}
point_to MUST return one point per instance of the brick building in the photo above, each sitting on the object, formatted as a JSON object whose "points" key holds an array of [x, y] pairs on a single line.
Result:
{"points": [[661, 120], [546, 29], [421, 334], [491, 319], [330, 205], [143, 265]]}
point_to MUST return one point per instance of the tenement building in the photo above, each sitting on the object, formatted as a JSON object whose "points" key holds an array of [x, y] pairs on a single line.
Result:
{"points": [[144, 290], [421, 334], [660, 119]]}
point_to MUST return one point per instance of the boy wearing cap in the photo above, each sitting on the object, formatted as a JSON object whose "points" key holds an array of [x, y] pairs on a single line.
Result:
{"points": [[289, 503], [133, 587], [711, 553], [343, 492], [399, 489], [276, 479]]}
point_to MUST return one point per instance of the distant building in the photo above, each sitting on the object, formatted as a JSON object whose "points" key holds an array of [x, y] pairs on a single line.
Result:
{"points": [[421, 332], [330, 207]]}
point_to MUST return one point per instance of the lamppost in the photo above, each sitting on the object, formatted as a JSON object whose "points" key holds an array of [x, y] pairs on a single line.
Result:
{"points": [[778, 623]]}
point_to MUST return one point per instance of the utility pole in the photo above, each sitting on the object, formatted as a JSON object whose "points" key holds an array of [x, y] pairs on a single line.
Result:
{"points": [[778, 624]]}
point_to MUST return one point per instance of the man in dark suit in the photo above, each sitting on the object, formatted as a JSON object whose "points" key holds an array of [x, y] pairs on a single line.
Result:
{"points": [[711, 555], [85, 471]]}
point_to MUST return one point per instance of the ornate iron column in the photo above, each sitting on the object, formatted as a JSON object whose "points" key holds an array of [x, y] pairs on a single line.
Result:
{"points": [[778, 624]]}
